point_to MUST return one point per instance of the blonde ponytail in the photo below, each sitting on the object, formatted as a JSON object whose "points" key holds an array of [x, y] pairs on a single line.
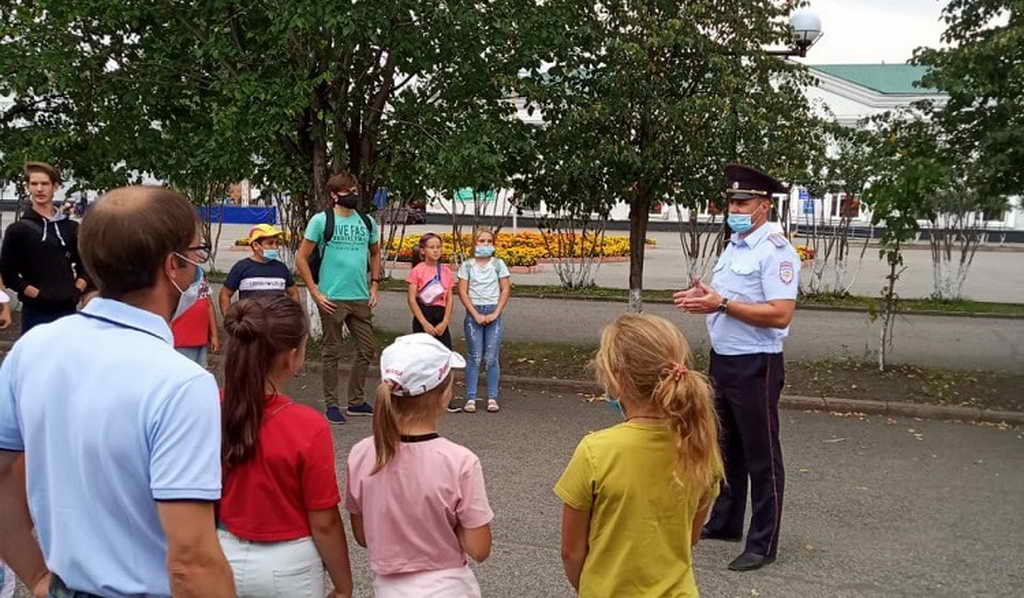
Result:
{"points": [[645, 358], [688, 402], [390, 410], [385, 427]]}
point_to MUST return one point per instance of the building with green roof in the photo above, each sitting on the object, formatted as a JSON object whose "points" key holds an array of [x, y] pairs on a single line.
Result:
{"points": [[855, 91]]}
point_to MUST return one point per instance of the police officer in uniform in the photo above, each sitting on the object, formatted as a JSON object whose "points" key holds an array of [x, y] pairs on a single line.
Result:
{"points": [[749, 306]]}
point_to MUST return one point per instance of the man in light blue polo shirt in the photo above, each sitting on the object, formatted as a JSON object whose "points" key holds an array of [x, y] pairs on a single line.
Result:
{"points": [[123, 456]]}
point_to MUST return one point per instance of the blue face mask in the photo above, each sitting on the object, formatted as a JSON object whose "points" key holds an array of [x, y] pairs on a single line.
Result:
{"points": [[484, 251], [271, 254], [614, 404], [740, 223]]}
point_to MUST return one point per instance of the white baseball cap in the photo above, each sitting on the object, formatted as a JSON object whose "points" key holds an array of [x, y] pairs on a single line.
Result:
{"points": [[417, 363]]}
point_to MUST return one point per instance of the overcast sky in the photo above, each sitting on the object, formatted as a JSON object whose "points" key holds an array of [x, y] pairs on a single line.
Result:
{"points": [[873, 31]]}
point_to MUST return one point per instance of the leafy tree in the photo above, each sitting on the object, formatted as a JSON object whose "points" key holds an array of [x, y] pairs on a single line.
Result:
{"points": [[469, 162], [286, 93], [60, 108], [909, 171], [982, 69], [575, 193], [843, 166], [652, 83]]}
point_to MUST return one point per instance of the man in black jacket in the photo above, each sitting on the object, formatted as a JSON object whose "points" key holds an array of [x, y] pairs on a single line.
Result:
{"points": [[39, 257]]}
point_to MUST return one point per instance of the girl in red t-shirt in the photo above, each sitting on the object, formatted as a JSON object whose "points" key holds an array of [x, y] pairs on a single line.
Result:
{"points": [[195, 329], [278, 516]]}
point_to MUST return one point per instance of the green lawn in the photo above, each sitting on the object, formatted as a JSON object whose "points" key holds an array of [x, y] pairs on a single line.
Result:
{"points": [[837, 378]]}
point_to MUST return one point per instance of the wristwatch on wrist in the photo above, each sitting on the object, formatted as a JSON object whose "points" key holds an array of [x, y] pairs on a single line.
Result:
{"points": [[375, 280], [724, 305]]}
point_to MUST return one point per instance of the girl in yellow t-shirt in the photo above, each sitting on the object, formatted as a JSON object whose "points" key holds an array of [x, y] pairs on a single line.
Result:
{"points": [[636, 494]]}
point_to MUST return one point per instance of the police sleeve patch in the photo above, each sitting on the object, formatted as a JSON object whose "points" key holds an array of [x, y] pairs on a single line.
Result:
{"points": [[786, 272]]}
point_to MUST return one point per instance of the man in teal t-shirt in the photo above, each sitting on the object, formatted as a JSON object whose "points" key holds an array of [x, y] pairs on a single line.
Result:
{"points": [[347, 293]]}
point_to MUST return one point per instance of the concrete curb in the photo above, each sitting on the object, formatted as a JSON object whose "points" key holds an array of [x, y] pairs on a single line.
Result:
{"points": [[797, 402], [890, 408], [804, 403]]}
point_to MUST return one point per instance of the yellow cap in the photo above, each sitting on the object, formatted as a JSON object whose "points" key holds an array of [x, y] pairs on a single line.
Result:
{"points": [[262, 231]]}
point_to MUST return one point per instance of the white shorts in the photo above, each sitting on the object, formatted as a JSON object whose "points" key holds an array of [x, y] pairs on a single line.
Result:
{"points": [[444, 583], [272, 569]]}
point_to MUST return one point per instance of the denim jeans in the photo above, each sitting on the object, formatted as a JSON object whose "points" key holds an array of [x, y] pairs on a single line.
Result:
{"points": [[484, 343], [59, 590], [200, 355], [32, 317]]}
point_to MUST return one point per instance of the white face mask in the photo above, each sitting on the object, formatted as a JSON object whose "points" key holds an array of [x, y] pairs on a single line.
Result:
{"points": [[190, 295]]}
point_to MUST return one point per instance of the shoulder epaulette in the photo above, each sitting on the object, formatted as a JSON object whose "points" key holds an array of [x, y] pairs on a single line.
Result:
{"points": [[779, 240]]}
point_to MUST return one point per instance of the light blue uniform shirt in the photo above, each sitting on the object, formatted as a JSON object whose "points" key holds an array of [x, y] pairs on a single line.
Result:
{"points": [[110, 418], [757, 269]]}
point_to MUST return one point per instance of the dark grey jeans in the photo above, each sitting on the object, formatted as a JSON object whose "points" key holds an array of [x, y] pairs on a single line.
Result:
{"points": [[59, 590]]}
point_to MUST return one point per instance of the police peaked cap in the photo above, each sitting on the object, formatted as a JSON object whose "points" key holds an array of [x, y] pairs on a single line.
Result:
{"points": [[744, 182]]}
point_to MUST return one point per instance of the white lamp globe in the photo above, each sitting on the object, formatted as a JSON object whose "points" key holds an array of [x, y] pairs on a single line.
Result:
{"points": [[806, 27]]}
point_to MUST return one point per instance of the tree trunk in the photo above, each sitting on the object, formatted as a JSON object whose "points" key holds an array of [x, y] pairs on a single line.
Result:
{"points": [[321, 160], [639, 212]]}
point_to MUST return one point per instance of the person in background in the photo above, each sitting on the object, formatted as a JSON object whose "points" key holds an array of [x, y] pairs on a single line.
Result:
{"points": [[636, 494], [346, 292], [417, 500], [123, 456], [429, 292], [484, 288], [262, 274], [235, 194], [279, 521], [194, 323], [5, 307], [39, 257]]}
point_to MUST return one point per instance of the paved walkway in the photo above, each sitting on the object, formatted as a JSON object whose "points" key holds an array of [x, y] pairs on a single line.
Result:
{"points": [[941, 341], [874, 507], [994, 276]]}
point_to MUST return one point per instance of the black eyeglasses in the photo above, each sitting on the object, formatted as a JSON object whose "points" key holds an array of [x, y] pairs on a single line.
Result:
{"points": [[199, 253]]}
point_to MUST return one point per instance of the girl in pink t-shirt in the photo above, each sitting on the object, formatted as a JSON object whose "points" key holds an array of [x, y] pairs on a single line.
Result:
{"points": [[417, 500], [430, 284]]}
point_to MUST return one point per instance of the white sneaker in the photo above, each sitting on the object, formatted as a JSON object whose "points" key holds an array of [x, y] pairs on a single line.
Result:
{"points": [[470, 407], [492, 405]]}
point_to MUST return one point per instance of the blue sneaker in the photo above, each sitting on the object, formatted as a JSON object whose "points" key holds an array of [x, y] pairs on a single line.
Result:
{"points": [[334, 415], [360, 409]]}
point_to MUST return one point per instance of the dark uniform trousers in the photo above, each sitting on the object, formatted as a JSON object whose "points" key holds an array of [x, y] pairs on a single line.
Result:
{"points": [[747, 389]]}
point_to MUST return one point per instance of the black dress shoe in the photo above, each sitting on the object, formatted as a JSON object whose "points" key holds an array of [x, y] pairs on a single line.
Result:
{"points": [[748, 561], [706, 534]]}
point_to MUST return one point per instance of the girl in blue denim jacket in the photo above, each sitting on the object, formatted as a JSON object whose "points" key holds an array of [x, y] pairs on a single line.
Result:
{"points": [[484, 287]]}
